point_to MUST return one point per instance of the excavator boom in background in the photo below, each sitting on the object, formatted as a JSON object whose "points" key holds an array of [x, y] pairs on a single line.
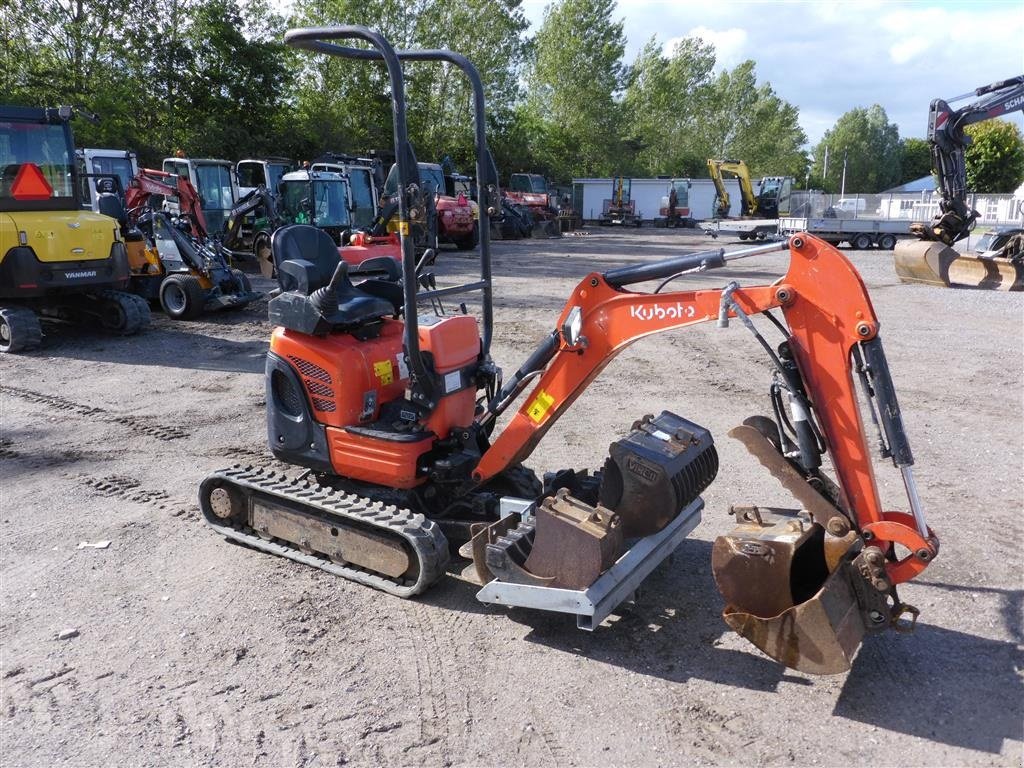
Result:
{"points": [[931, 259], [392, 405]]}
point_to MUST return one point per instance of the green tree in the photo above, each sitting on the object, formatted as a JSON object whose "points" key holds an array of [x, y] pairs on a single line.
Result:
{"points": [[995, 157], [749, 122], [573, 81], [915, 159], [665, 103], [870, 145]]}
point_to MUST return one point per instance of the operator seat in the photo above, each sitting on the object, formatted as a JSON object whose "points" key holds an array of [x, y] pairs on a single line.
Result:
{"points": [[306, 259], [109, 203]]}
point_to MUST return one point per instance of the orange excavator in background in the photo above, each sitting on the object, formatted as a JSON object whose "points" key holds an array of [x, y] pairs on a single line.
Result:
{"points": [[392, 406], [931, 259], [172, 259]]}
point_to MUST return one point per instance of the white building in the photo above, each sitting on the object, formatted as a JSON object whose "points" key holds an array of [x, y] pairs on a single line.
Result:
{"points": [[589, 196]]}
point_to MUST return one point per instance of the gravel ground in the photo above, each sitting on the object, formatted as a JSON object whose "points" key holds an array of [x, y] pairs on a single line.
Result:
{"points": [[193, 651]]}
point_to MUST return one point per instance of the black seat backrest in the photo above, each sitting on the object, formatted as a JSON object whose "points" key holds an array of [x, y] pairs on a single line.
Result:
{"points": [[301, 242], [109, 203]]}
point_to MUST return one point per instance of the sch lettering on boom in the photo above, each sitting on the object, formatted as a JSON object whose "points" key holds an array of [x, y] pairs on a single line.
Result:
{"points": [[659, 312]]}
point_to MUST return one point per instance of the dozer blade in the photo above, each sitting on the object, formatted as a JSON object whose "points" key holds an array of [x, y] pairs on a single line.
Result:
{"points": [[773, 571], [935, 263]]}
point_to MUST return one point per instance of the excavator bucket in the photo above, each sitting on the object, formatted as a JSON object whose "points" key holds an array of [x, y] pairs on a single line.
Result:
{"points": [[567, 544], [935, 263], [546, 228], [773, 574], [793, 581]]}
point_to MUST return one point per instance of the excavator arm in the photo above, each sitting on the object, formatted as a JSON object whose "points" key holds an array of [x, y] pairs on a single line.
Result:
{"points": [[739, 169], [831, 339], [948, 144], [254, 201], [148, 182]]}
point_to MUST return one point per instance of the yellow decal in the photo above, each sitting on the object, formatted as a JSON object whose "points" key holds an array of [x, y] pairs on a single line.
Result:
{"points": [[540, 406], [384, 371], [403, 228]]}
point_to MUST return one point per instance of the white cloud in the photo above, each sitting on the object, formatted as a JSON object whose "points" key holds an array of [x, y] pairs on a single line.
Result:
{"points": [[909, 48], [729, 44]]}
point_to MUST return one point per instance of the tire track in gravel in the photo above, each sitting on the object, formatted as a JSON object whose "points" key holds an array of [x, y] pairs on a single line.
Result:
{"points": [[432, 684], [130, 489], [136, 424]]}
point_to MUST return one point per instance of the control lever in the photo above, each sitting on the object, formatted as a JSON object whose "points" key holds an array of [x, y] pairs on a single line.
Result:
{"points": [[325, 300]]}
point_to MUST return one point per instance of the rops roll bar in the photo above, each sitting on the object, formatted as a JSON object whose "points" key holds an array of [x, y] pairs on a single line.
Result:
{"points": [[313, 39]]}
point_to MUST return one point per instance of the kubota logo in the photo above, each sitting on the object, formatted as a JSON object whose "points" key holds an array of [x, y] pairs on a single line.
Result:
{"points": [[658, 312]]}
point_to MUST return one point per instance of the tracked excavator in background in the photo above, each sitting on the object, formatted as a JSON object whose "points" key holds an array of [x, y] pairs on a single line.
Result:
{"points": [[931, 259], [391, 405], [56, 260], [772, 191]]}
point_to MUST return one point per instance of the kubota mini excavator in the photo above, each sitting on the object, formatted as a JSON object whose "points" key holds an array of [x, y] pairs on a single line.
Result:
{"points": [[931, 259], [392, 408]]}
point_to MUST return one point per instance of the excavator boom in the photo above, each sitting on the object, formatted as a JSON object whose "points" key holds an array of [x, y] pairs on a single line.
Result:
{"points": [[931, 259]]}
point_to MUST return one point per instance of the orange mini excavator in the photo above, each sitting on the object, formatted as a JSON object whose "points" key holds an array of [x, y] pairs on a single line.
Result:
{"points": [[392, 407]]}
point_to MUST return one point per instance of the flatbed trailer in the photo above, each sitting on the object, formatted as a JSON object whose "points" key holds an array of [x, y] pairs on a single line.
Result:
{"points": [[859, 233], [744, 229]]}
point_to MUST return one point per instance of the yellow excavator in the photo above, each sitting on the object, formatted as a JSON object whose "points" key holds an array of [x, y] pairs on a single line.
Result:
{"points": [[772, 194], [56, 260], [931, 259]]}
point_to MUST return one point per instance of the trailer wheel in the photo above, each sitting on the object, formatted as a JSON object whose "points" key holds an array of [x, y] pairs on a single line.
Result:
{"points": [[182, 297], [743, 235], [861, 242], [19, 330], [887, 242]]}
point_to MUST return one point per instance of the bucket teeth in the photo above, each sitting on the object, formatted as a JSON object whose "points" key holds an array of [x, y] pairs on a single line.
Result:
{"points": [[506, 556]]}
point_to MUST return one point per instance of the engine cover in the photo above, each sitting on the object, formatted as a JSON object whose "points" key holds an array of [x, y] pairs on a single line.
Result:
{"points": [[655, 471]]}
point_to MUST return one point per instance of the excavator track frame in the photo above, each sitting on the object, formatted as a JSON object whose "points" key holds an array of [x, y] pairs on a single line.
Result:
{"points": [[421, 537]]}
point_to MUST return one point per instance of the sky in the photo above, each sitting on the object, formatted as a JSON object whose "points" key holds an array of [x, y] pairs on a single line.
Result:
{"points": [[829, 57]]}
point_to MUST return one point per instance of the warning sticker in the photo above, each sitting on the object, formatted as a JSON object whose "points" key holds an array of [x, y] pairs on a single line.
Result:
{"points": [[384, 371], [540, 406]]}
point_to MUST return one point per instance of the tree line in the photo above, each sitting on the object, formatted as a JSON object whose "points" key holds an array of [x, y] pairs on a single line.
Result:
{"points": [[214, 78]]}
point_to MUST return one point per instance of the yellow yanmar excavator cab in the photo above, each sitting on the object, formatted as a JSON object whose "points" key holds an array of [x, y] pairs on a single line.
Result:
{"points": [[55, 258]]}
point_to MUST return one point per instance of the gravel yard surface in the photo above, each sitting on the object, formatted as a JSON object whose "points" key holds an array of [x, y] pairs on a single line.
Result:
{"points": [[188, 650]]}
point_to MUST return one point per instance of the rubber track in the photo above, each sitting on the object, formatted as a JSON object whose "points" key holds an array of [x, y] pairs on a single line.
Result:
{"points": [[422, 535]]}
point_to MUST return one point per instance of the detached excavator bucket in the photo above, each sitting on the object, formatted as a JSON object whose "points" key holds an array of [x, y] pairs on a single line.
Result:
{"points": [[772, 571], [935, 263], [567, 544]]}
